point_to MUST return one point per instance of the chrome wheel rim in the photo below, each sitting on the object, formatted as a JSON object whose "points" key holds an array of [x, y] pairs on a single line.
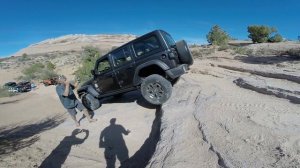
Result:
{"points": [[155, 91]]}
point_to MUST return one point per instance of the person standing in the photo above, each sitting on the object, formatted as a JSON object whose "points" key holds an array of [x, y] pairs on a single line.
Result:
{"points": [[68, 99]]}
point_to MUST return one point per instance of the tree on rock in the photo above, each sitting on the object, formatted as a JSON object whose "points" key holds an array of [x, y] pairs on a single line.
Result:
{"points": [[217, 36], [262, 34]]}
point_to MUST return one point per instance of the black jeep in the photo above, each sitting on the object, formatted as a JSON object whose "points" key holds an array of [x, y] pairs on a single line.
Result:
{"points": [[151, 63]]}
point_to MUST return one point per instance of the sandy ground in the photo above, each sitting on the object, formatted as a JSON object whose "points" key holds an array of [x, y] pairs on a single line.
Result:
{"points": [[36, 108], [208, 122], [34, 105]]}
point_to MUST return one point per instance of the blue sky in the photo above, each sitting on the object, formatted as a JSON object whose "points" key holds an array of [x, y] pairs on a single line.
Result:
{"points": [[23, 22]]}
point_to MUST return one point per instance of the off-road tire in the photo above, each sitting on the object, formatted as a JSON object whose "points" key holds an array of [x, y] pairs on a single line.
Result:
{"points": [[90, 102], [156, 89], [185, 55]]}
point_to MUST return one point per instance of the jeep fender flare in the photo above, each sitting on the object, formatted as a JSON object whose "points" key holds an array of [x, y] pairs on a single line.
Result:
{"points": [[137, 79], [88, 89]]}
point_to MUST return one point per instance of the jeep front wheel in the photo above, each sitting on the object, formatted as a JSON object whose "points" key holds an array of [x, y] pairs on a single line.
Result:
{"points": [[90, 102], [156, 89]]}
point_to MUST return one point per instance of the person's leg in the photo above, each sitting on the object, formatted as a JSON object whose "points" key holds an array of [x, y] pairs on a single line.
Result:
{"points": [[72, 113], [80, 107], [75, 120], [110, 157], [87, 115]]}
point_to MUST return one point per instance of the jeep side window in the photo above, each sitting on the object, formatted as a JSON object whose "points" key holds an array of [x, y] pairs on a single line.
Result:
{"points": [[121, 56], [103, 66], [147, 45], [169, 40]]}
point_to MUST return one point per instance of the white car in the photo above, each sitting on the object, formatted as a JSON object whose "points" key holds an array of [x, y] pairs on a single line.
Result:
{"points": [[12, 89]]}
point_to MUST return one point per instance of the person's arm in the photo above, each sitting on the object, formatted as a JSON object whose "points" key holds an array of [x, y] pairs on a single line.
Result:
{"points": [[101, 141], [80, 141], [76, 84], [87, 133], [67, 88], [126, 132]]}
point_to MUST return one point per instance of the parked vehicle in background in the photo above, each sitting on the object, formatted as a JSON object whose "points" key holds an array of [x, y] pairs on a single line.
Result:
{"points": [[152, 63], [11, 87], [48, 82], [33, 85], [24, 86], [10, 84]]}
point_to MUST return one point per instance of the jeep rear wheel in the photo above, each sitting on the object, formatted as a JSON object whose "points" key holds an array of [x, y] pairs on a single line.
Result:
{"points": [[90, 102], [156, 89], [185, 55]]}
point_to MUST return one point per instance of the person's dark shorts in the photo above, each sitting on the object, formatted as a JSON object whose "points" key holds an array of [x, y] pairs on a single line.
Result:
{"points": [[78, 105]]}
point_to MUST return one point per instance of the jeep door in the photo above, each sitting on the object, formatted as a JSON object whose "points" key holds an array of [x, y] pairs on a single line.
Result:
{"points": [[124, 66], [105, 77]]}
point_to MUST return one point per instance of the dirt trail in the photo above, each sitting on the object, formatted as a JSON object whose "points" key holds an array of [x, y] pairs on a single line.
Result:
{"points": [[28, 144], [32, 106]]}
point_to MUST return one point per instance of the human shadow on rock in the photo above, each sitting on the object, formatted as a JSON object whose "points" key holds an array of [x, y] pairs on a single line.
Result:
{"points": [[59, 155], [142, 157], [111, 139]]}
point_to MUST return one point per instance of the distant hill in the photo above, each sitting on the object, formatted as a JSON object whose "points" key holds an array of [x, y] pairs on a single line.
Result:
{"points": [[75, 43]]}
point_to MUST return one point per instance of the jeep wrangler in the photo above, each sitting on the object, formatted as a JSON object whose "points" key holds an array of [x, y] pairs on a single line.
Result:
{"points": [[152, 63]]}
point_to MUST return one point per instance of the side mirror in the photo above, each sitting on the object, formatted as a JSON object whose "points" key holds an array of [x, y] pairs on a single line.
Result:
{"points": [[93, 72]]}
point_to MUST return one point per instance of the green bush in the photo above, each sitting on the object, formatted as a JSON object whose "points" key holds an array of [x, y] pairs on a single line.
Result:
{"points": [[223, 48], [33, 71], [275, 39], [217, 36], [202, 52], [39, 71], [242, 51], [24, 57], [260, 34], [90, 55], [50, 65], [47, 74]]}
